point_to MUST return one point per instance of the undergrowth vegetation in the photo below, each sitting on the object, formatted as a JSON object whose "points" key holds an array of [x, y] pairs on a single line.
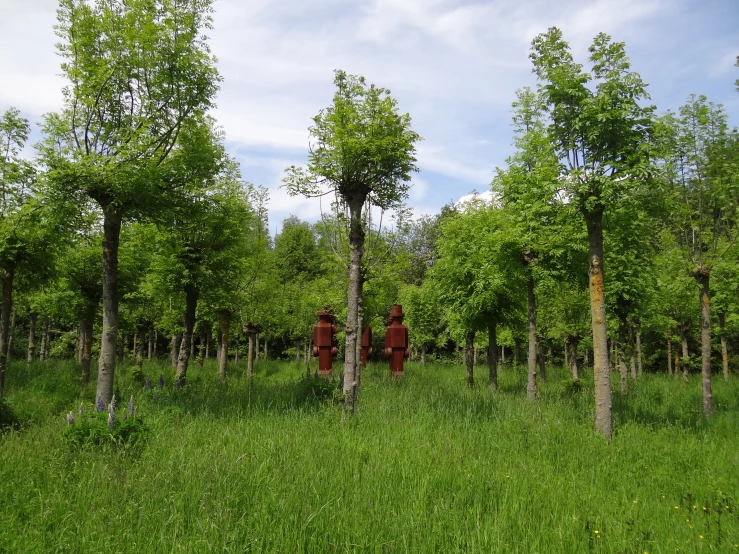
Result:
{"points": [[426, 464]]}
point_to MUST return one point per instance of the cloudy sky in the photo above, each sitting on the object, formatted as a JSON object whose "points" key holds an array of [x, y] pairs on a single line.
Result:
{"points": [[454, 65]]}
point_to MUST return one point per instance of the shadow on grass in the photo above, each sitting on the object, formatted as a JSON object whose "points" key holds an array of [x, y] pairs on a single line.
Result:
{"points": [[238, 397], [654, 412], [49, 389]]}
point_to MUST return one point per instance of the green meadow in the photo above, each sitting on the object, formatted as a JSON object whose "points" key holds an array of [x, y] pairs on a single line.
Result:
{"points": [[426, 464]]}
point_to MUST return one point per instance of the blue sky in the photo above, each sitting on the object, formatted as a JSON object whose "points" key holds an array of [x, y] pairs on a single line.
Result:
{"points": [[453, 65]]}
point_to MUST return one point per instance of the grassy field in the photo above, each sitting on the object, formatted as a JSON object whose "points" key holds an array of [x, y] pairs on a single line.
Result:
{"points": [[425, 465]]}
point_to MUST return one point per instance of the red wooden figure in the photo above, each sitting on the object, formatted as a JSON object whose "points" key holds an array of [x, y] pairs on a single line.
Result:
{"points": [[396, 340], [325, 347], [366, 345]]}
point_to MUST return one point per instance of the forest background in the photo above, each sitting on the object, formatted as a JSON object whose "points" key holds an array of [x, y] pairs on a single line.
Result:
{"points": [[607, 244]]}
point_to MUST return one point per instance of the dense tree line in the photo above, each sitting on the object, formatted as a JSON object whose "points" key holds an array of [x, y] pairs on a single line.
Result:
{"points": [[609, 245]]}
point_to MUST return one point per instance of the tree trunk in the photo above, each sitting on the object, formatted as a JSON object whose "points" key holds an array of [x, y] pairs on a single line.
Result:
{"points": [[623, 371], [256, 348], [356, 250], [266, 351], [566, 353], [122, 340], [493, 355], [531, 384], [358, 353], [469, 357], [571, 349], [585, 356], [78, 345], [724, 349], [236, 349], [423, 355], [202, 346], [250, 355], [703, 278], [207, 344], [225, 317], [684, 341], [152, 342], [45, 338], [601, 370], [669, 353], [191, 304], [632, 353], [11, 334], [677, 363], [139, 349], [106, 364], [638, 353], [175, 351], [297, 351], [32, 336], [7, 306], [542, 361], [86, 326], [502, 356]]}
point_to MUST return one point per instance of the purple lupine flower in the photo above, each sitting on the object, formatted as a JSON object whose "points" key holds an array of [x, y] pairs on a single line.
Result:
{"points": [[147, 385], [99, 405], [131, 407], [79, 410], [70, 418], [161, 381], [111, 419], [112, 404]]}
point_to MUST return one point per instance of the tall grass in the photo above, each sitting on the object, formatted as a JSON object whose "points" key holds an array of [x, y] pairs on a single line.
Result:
{"points": [[425, 465]]}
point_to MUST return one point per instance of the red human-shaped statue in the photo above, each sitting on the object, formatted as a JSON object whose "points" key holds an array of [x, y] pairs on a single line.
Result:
{"points": [[396, 340], [366, 345], [324, 341]]}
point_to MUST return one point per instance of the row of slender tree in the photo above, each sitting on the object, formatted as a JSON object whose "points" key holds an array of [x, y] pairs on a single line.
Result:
{"points": [[611, 226], [600, 180]]}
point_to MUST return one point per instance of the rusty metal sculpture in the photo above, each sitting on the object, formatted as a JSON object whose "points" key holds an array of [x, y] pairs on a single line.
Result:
{"points": [[325, 347], [396, 340], [366, 345]]}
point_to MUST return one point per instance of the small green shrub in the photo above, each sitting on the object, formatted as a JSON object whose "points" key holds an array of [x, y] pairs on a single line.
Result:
{"points": [[137, 375], [319, 390], [572, 386], [96, 429], [8, 419]]}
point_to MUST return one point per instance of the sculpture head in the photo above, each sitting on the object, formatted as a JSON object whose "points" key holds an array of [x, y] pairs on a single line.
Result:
{"points": [[396, 314]]}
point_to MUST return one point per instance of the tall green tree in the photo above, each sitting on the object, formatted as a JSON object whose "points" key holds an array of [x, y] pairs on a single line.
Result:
{"points": [[527, 189], [202, 251], [21, 225], [137, 70], [479, 277], [364, 153], [702, 166], [600, 132]]}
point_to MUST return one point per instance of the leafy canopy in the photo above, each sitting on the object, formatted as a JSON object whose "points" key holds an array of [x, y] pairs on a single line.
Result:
{"points": [[362, 148]]}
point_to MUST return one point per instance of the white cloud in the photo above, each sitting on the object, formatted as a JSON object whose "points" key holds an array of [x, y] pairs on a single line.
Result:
{"points": [[487, 197], [452, 64]]}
